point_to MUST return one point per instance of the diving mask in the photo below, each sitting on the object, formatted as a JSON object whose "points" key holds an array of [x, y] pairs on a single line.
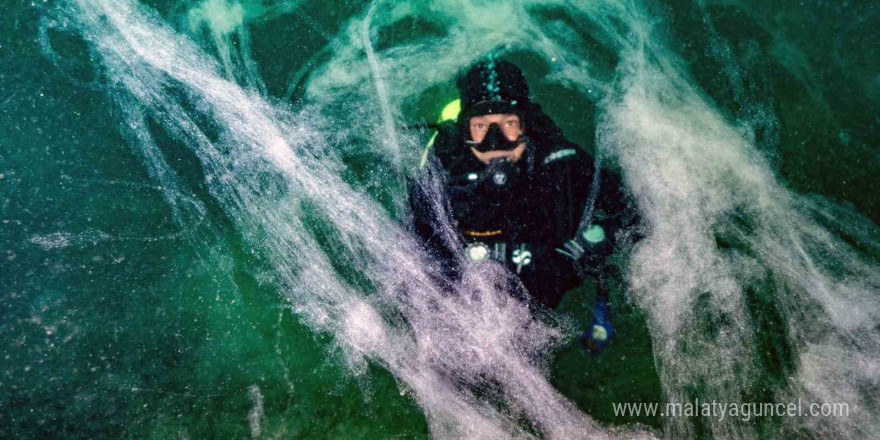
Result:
{"points": [[496, 140]]}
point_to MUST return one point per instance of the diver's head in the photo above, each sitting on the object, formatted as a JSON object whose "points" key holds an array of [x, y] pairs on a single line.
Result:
{"points": [[494, 96], [493, 87]]}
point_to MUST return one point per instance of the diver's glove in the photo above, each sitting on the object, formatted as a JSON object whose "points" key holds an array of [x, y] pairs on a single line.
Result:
{"points": [[587, 249], [595, 338]]}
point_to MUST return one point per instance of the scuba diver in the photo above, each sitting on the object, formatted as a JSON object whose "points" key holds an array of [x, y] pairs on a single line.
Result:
{"points": [[515, 190]]}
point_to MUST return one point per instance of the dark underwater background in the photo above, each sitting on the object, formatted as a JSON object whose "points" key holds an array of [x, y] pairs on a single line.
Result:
{"points": [[136, 303]]}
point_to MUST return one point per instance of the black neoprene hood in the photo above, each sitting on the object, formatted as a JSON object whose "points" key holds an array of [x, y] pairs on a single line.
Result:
{"points": [[491, 87]]}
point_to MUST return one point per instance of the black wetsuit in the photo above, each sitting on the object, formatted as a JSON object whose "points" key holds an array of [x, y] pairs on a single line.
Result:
{"points": [[522, 225]]}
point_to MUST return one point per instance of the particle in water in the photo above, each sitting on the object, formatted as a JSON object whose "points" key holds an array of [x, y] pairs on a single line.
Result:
{"points": [[844, 137]]}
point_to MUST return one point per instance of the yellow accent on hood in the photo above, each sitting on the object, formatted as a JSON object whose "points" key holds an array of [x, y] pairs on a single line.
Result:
{"points": [[482, 233]]}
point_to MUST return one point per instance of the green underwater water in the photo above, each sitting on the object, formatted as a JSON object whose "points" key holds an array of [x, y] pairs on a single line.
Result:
{"points": [[118, 324]]}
